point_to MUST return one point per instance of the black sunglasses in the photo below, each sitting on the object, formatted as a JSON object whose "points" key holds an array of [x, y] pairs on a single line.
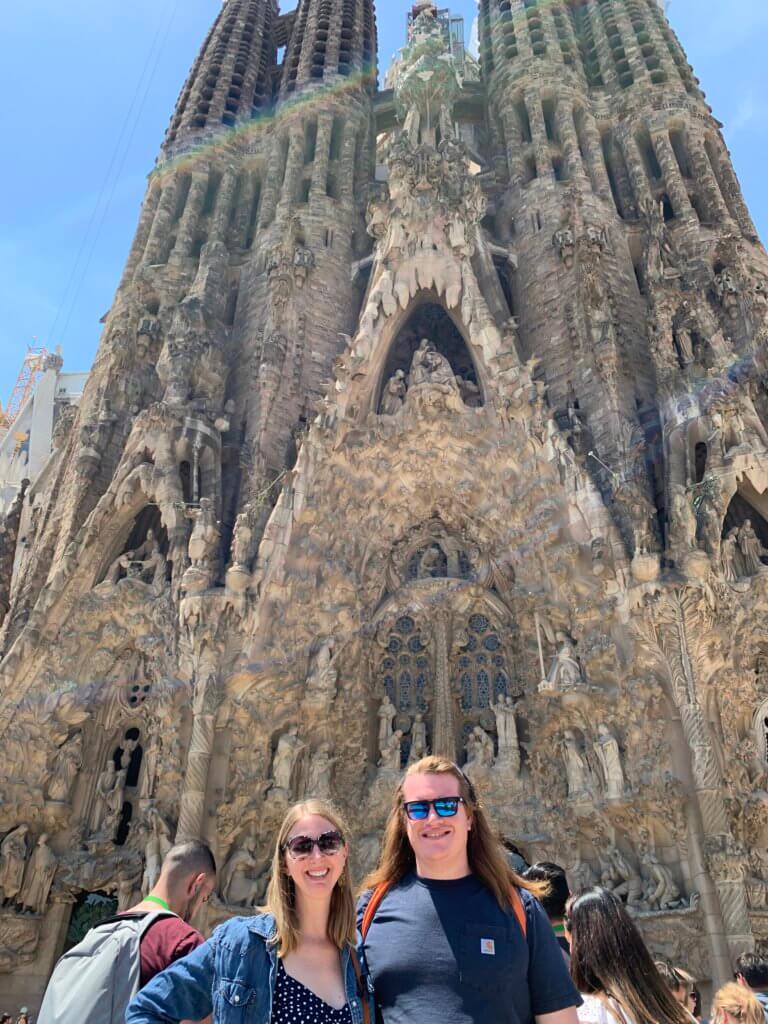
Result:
{"points": [[302, 846], [445, 807]]}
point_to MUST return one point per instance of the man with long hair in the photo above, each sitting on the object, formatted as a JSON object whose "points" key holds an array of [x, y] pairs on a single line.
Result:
{"points": [[450, 933]]}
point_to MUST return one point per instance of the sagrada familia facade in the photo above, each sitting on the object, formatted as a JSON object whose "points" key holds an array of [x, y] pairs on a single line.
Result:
{"points": [[430, 417]]}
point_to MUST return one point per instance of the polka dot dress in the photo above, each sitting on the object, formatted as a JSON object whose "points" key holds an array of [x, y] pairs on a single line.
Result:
{"points": [[294, 1003]]}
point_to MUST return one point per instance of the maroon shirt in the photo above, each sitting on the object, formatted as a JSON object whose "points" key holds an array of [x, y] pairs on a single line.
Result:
{"points": [[167, 940]]}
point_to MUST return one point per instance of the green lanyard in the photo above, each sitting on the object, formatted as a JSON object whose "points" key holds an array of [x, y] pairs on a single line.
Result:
{"points": [[156, 899]]}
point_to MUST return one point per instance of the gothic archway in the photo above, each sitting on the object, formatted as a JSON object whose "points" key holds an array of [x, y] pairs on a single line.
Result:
{"points": [[430, 320]]}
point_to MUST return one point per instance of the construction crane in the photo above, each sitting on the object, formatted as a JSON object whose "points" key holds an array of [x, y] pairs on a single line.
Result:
{"points": [[26, 382]]}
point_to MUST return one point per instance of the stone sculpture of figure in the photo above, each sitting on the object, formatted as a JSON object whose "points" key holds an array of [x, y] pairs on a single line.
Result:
{"points": [[576, 768], [506, 730], [320, 772], [566, 671], [241, 879], [429, 367], [69, 760], [623, 879], [386, 713], [684, 345], [480, 747], [103, 808], [242, 538], [659, 252], [581, 875], [390, 752], [13, 857], [158, 843], [145, 560], [394, 394], [469, 391], [607, 751], [204, 541], [39, 878], [149, 768], [289, 749], [418, 739], [323, 675], [430, 561], [751, 549], [661, 892], [729, 554]]}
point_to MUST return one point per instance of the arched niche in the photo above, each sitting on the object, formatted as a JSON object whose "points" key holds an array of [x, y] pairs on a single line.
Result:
{"points": [[127, 755], [742, 510], [430, 320], [141, 537]]}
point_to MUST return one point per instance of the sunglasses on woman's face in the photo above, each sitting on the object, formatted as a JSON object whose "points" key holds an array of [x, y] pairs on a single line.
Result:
{"points": [[328, 844], [445, 807]]}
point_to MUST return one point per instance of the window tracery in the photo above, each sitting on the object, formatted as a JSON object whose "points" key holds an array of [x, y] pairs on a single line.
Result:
{"points": [[406, 670], [483, 675]]}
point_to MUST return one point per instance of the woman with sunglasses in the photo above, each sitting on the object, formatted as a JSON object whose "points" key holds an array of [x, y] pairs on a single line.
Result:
{"points": [[449, 933], [294, 961]]}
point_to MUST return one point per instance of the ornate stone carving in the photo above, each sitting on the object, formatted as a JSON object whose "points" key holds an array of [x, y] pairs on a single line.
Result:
{"points": [[13, 859], [38, 878], [606, 748]]}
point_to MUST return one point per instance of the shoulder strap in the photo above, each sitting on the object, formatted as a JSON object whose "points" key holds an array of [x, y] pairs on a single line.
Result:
{"points": [[383, 888], [518, 909], [361, 987], [374, 903]]}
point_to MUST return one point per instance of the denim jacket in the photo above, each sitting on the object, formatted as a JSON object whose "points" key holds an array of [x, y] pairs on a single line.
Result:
{"points": [[233, 975]]}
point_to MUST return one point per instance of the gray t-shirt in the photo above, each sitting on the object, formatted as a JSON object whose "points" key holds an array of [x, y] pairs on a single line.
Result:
{"points": [[446, 953]]}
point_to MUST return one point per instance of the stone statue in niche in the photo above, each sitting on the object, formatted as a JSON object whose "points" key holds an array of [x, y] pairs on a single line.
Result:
{"points": [[289, 750], [727, 292], [621, 878], [69, 760], [660, 256], [323, 675], [110, 789], [576, 767], [566, 671], [684, 345], [661, 892], [158, 843], [565, 244], [607, 750], [203, 548], [243, 879], [581, 875], [418, 739], [729, 554], [13, 858], [321, 772], [146, 563], [431, 368], [431, 562], [149, 768], [394, 394], [391, 752], [242, 538], [386, 715], [479, 749], [506, 731], [752, 551], [39, 878], [469, 392]]}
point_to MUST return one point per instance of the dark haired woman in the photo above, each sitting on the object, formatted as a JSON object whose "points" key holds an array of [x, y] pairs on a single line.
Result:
{"points": [[450, 934], [612, 968], [292, 962]]}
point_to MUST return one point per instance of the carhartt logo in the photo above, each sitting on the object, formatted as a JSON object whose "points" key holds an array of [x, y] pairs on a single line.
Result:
{"points": [[487, 947]]}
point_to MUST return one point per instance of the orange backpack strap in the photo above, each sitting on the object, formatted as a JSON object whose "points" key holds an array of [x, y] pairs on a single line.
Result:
{"points": [[374, 903], [361, 987], [518, 910]]}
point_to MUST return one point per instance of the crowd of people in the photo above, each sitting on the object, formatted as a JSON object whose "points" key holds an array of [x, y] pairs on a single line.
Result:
{"points": [[22, 1017], [446, 931]]}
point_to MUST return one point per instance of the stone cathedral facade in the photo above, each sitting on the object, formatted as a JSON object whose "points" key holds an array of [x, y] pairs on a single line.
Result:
{"points": [[426, 418]]}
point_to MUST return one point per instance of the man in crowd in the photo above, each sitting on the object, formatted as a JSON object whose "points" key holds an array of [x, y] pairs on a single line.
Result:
{"points": [[682, 985], [752, 972], [554, 904]]}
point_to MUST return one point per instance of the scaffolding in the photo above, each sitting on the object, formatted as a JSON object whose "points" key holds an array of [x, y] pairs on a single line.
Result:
{"points": [[31, 370]]}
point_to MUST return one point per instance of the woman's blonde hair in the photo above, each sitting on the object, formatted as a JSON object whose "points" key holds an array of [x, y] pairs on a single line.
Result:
{"points": [[738, 1003], [485, 852], [281, 894]]}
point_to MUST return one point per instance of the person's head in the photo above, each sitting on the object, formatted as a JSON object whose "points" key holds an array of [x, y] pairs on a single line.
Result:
{"points": [[450, 841], [608, 955], [310, 867], [188, 877], [752, 971], [681, 984], [554, 902], [735, 1004], [5, 1018]]}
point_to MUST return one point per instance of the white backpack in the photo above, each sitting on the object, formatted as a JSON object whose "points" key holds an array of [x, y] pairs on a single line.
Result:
{"points": [[96, 980]]}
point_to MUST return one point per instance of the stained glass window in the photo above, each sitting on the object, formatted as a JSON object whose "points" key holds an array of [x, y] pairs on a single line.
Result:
{"points": [[482, 669], [405, 669]]}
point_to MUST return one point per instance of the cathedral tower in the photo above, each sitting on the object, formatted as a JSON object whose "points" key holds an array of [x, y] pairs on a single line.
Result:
{"points": [[431, 417]]}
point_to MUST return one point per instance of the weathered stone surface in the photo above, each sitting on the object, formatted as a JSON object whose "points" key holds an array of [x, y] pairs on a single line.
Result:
{"points": [[492, 483]]}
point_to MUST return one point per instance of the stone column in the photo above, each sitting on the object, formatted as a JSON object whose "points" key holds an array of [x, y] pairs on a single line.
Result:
{"points": [[514, 147], [192, 807], [705, 178], [190, 220], [635, 169], [322, 154], [569, 140], [293, 168], [148, 211], [538, 133], [223, 209], [272, 183], [444, 730], [242, 217], [164, 218], [673, 179], [593, 149]]}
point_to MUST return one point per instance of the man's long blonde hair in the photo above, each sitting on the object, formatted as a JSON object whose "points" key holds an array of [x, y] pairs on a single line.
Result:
{"points": [[485, 852], [281, 894]]}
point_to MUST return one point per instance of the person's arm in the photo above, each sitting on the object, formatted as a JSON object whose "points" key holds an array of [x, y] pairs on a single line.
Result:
{"points": [[567, 1016], [183, 991]]}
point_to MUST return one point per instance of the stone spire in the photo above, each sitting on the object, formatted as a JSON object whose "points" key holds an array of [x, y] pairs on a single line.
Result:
{"points": [[331, 39], [231, 80]]}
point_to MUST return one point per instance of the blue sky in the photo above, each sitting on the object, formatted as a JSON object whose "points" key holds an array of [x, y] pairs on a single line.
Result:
{"points": [[90, 87]]}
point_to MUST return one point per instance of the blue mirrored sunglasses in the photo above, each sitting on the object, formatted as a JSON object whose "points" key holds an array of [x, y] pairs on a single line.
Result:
{"points": [[445, 807]]}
